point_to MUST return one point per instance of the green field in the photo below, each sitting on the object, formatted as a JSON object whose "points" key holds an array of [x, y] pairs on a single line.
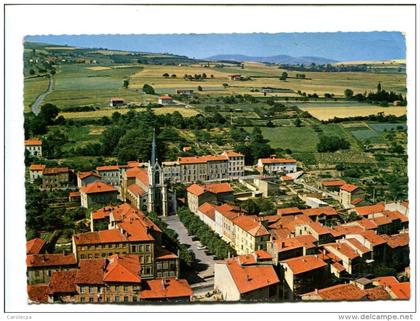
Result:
{"points": [[80, 85], [33, 87], [302, 139]]}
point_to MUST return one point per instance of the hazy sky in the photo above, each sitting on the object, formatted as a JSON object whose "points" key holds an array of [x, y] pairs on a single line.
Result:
{"points": [[342, 46]]}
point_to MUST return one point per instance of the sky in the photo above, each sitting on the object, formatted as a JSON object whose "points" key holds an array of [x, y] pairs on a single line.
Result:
{"points": [[341, 46]]}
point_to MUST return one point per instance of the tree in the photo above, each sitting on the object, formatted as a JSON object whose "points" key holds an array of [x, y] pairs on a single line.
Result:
{"points": [[110, 139], [283, 76], [298, 122], [166, 75], [199, 88], [125, 83], [332, 144], [348, 93], [48, 113], [31, 71], [147, 89], [379, 87]]}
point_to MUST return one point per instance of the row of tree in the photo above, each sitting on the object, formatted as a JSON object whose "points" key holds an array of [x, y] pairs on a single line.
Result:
{"points": [[205, 234]]}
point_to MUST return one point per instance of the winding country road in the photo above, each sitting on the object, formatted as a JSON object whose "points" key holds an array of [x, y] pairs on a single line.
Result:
{"points": [[36, 105]]}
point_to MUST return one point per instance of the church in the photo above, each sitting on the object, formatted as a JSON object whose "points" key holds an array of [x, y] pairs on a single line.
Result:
{"points": [[143, 185]]}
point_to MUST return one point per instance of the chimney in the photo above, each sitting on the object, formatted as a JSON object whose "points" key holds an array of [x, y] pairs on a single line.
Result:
{"points": [[316, 291]]}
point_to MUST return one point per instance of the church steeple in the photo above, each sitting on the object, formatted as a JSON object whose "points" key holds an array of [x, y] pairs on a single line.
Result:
{"points": [[153, 155]]}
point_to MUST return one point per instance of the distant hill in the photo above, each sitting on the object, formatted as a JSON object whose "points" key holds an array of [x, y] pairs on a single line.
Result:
{"points": [[279, 59]]}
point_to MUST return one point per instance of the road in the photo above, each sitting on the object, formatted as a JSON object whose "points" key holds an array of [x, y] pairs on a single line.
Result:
{"points": [[205, 262], [36, 105]]}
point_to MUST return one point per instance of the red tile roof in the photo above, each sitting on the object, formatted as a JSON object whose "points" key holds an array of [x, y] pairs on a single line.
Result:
{"points": [[209, 210], [377, 294], [340, 292], [44, 260], [277, 160], [401, 290], [38, 293], [165, 289], [35, 246], [165, 97], [135, 230], [108, 168], [201, 159], [231, 153], [83, 175], [196, 189], [357, 201], [33, 142], [97, 237], [341, 230], [395, 215], [373, 238], [286, 178], [344, 249], [370, 209], [164, 254], [289, 210], [63, 282], [136, 190], [97, 187], [218, 188], [358, 246], [305, 263], [91, 271], [253, 258], [228, 211], [250, 224], [338, 267], [336, 182], [327, 210], [349, 188], [55, 170], [398, 240], [37, 167], [102, 213], [251, 278], [385, 280], [123, 269], [74, 194]]}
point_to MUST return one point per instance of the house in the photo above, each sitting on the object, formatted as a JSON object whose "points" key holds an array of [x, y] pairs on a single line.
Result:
{"points": [[165, 100], [224, 216], [369, 211], [117, 102], [110, 174], [351, 195], [35, 246], [289, 247], [166, 290], [97, 193], [399, 291], [116, 279], [236, 163], [211, 193], [74, 197], [276, 165], [62, 286], [85, 178], [234, 77], [302, 274], [332, 185], [55, 177], [35, 172], [250, 234], [397, 250], [184, 92], [207, 213], [243, 282], [340, 292], [37, 293], [41, 266], [34, 147]]}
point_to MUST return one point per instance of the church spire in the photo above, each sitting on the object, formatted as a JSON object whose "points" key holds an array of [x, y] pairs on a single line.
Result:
{"points": [[153, 156]]}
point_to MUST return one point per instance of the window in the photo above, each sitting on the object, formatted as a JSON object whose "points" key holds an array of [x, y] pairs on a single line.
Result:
{"points": [[90, 300], [82, 299], [133, 248], [126, 299], [126, 288], [117, 298], [147, 247], [134, 298], [92, 290]]}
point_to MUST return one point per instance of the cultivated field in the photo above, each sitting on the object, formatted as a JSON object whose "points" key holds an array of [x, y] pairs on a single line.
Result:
{"points": [[186, 112], [329, 112], [264, 76]]}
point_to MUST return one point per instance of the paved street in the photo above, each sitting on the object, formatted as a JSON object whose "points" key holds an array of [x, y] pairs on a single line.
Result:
{"points": [[36, 105], [205, 262]]}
